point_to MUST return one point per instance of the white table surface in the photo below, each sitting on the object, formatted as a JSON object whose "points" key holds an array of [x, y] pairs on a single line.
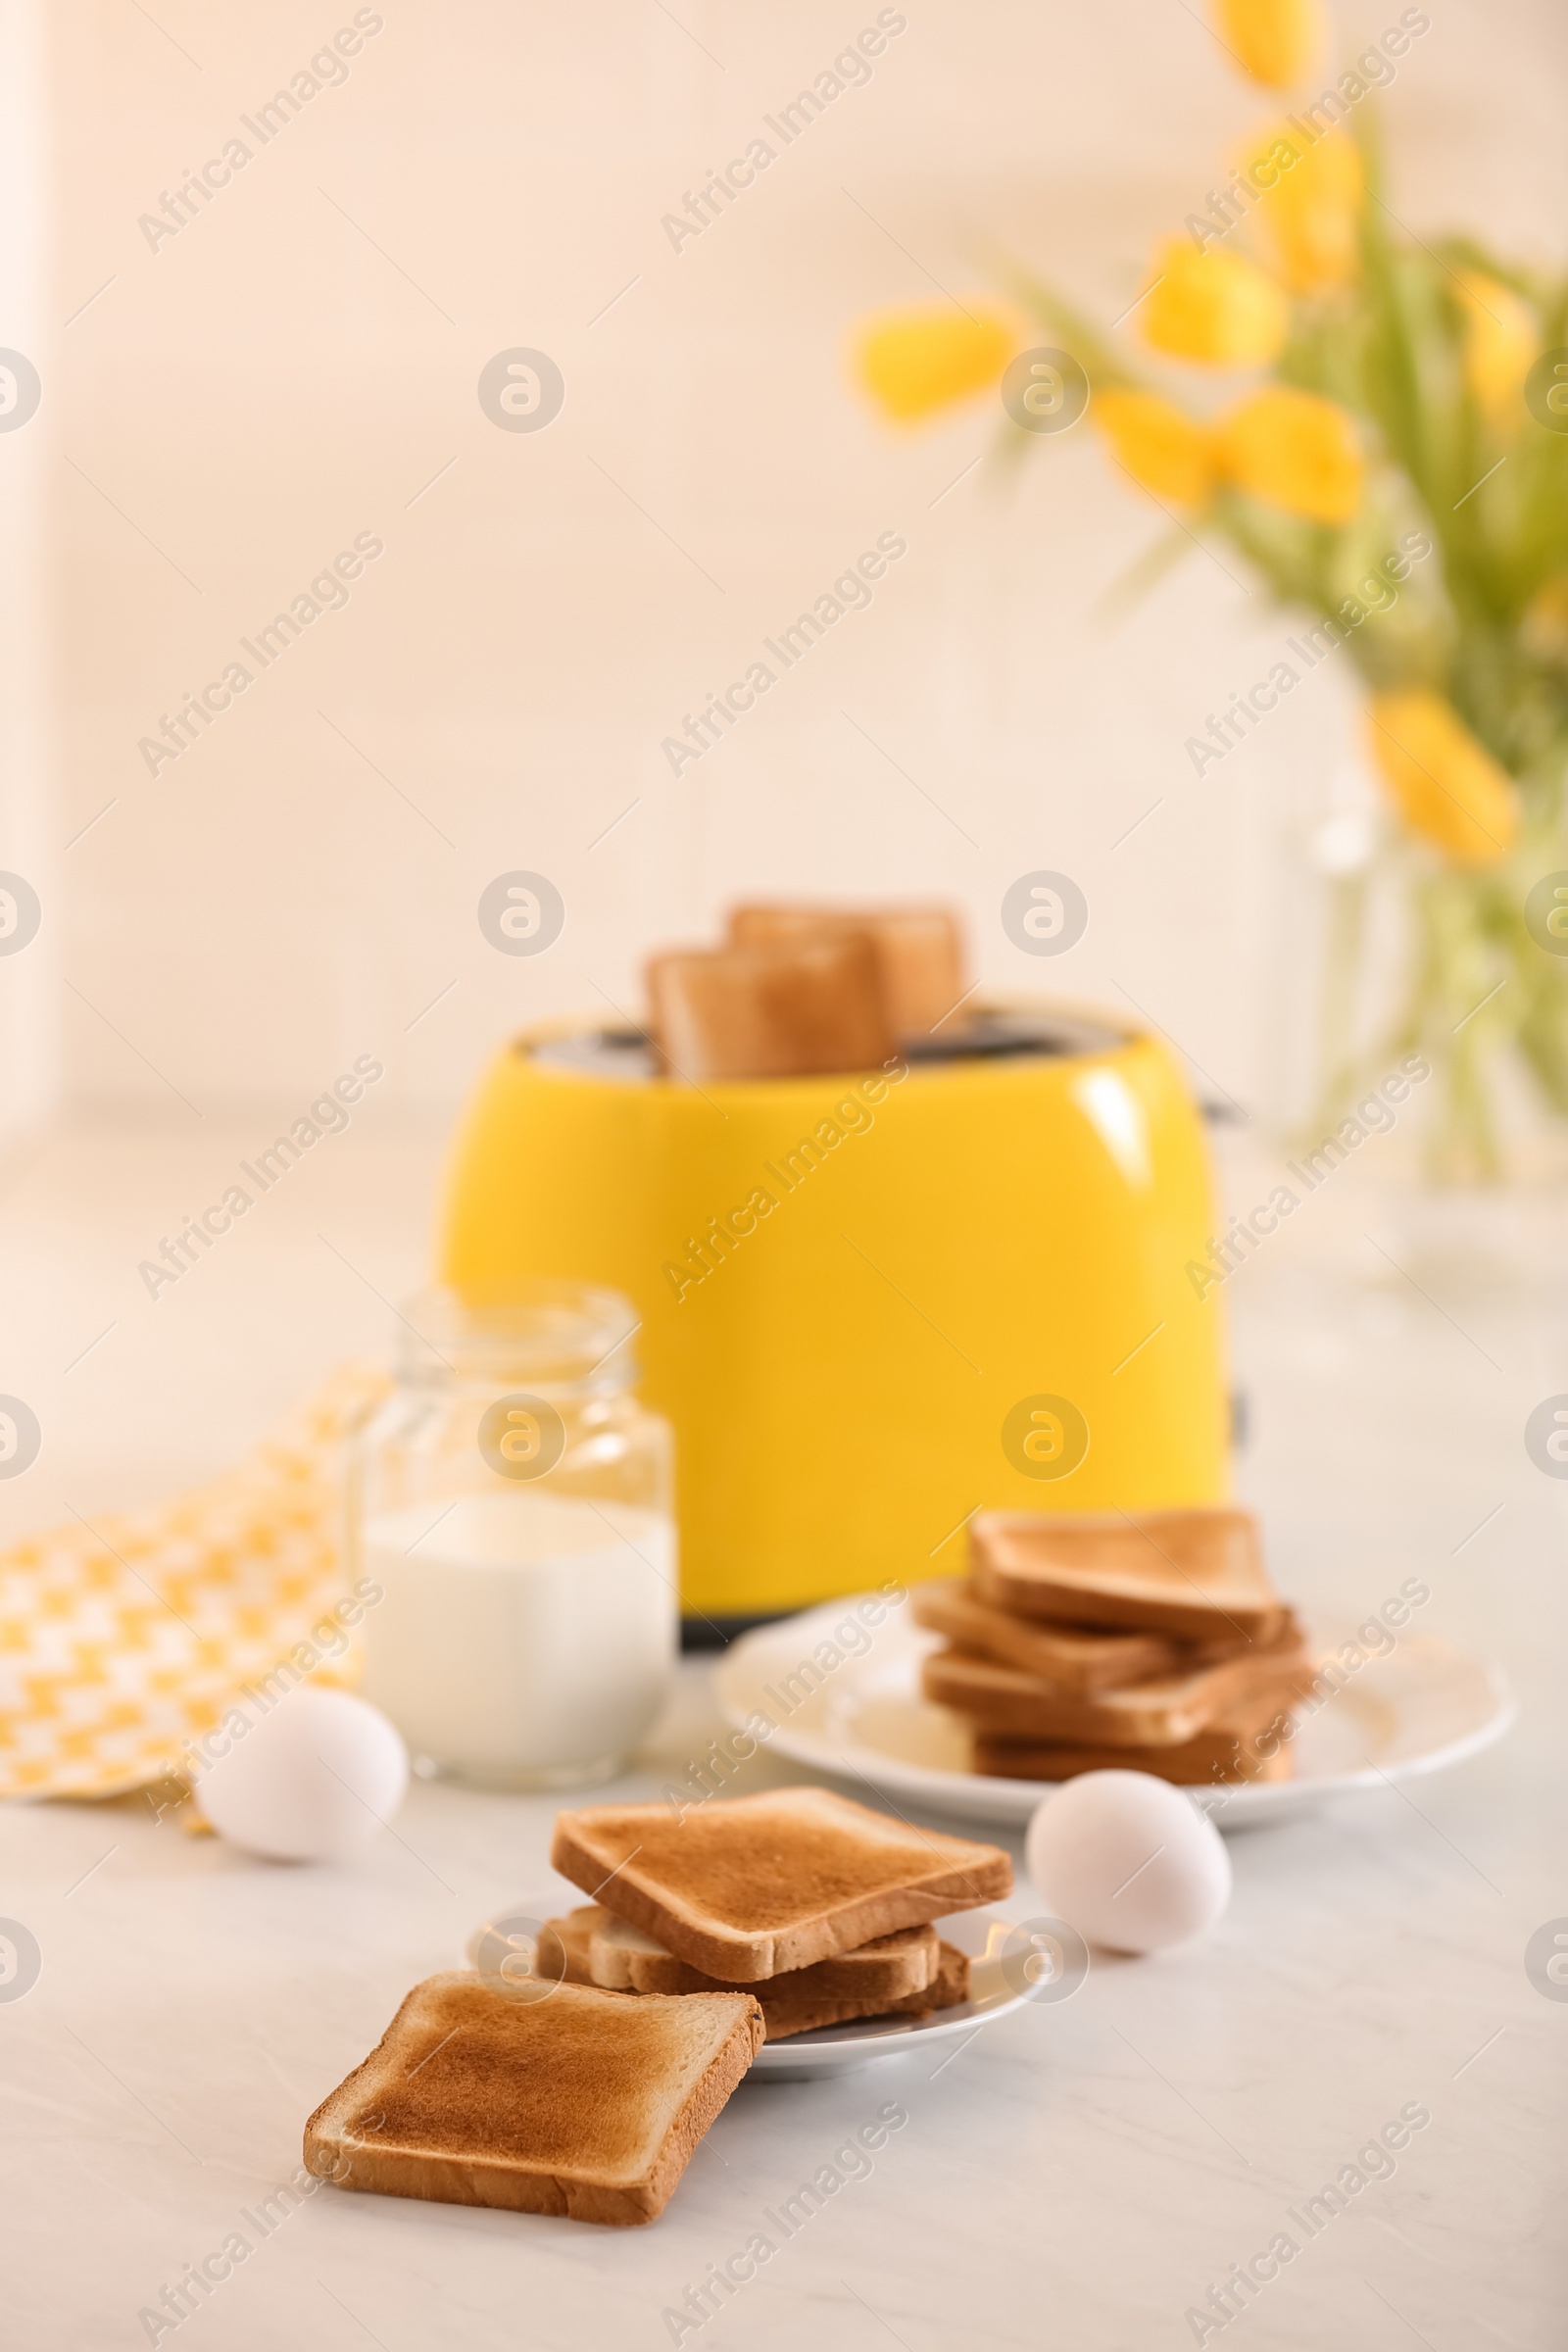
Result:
{"points": [[1080, 2174]]}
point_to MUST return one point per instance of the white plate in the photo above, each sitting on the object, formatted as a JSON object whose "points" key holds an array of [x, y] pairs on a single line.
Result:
{"points": [[1002, 1978], [1425, 1706]]}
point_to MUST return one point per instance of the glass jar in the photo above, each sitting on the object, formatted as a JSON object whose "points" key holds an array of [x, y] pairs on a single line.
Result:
{"points": [[511, 1503]]}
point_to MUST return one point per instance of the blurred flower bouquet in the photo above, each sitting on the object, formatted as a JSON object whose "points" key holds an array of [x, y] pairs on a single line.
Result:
{"points": [[1399, 468]]}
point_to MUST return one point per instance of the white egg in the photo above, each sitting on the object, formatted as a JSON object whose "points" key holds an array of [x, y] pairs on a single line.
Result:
{"points": [[310, 1782], [1128, 1860]]}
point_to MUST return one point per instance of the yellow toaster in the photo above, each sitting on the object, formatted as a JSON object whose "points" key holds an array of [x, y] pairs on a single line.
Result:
{"points": [[872, 1303]]}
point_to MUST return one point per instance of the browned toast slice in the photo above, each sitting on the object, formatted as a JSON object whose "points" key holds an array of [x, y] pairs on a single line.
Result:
{"points": [[1073, 1660], [626, 1959], [748, 1886], [1161, 1713], [919, 951], [778, 1011], [1247, 1742], [565, 1948], [1197, 1573], [912, 1970], [788, 2012], [951, 1983], [540, 2097]]}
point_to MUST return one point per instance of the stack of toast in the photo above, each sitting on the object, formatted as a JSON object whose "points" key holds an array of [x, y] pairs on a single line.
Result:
{"points": [[817, 1906], [1150, 1642], [583, 2089]]}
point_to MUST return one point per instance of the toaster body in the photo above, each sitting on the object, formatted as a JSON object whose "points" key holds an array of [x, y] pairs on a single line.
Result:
{"points": [[872, 1305]]}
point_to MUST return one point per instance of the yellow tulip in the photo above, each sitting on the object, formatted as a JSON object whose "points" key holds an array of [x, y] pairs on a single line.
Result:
{"points": [[1275, 41], [1501, 341], [1295, 450], [1310, 207], [1217, 308], [913, 363], [1446, 786], [1159, 445]]}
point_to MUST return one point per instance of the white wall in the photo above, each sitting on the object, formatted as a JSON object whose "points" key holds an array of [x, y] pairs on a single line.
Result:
{"points": [[242, 400], [30, 835]]}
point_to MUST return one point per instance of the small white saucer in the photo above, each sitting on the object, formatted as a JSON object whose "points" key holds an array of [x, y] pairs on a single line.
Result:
{"points": [[997, 1984], [1423, 1707]]}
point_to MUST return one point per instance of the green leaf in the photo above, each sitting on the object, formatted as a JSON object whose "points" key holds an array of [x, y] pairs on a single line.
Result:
{"points": [[1099, 360]]}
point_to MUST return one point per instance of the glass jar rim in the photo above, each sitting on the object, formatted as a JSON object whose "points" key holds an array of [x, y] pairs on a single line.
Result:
{"points": [[553, 1334]]}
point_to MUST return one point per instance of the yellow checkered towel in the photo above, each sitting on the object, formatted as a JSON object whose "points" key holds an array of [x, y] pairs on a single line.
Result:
{"points": [[121, 1644]]}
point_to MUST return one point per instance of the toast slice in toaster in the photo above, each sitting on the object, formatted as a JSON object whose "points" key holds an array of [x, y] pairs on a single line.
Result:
{"points": [[747, 1887], [777, 1012], [541, 2099], [1163, 1712], [919, 951], [1197, 1573]]}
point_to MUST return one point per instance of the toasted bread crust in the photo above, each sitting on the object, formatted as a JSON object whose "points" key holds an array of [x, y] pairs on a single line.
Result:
{"points": [[885, 1970], [1073, 1660], [1226, 1750], [1199, 1765], [597, 1849], [573, 1936], [788, 2014], [1166, 1713], [776, 1010], [919, 951], [332, 2152], [805, 1998], [825, 1995], [1193, 1573]]}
